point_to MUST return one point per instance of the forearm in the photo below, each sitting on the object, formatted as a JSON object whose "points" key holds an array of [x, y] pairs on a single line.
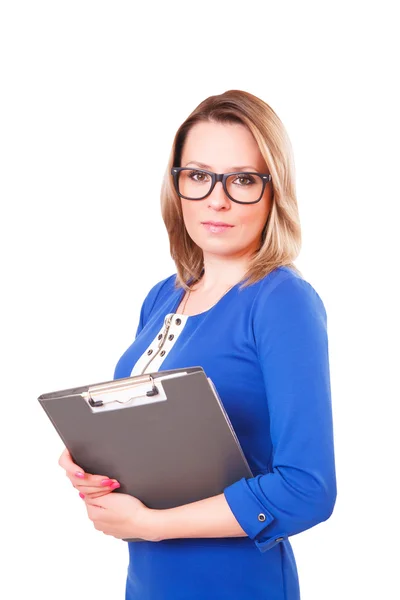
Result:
{"points": [[208, 518]]}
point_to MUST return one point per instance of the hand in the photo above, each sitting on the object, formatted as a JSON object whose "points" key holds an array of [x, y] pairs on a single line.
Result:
{"points": [[122, 516], [92, 486]]}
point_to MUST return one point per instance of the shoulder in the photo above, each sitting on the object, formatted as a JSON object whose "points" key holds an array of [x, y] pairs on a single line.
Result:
{"points": [[158, 291], [285, 294], [161, 287]]}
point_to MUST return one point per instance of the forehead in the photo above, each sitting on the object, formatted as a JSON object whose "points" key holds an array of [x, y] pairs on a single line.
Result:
{"points": [[222, 146]]}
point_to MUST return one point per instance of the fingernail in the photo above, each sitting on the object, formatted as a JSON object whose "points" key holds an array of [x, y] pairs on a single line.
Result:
{"points": [[106, 482], [79, 474], [81, 495], [115, 486]]}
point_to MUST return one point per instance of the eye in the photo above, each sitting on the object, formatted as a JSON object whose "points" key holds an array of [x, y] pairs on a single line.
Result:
{"points": [[244, 179], [199, 176]]}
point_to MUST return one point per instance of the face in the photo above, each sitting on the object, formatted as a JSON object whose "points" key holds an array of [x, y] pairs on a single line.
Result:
{"points": [[224, 147]]}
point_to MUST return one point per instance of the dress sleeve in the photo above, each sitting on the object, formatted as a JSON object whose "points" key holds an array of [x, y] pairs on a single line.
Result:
{"points": [[290, 331], [142, 318], [150, 301]]}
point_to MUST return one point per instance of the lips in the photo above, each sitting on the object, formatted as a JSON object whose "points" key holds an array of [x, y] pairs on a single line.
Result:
{"points": [[217, 223], [216, 226]]}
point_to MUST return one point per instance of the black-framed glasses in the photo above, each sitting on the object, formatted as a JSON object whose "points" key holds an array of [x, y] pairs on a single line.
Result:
{"points": [[244, 187]]}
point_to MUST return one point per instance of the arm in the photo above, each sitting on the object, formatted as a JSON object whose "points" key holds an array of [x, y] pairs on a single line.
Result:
{"points": [[300, 491], [206, 518], [290, 329]]}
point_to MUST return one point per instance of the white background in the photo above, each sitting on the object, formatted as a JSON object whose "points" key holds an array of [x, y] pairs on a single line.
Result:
{"points": [[92, 94]]}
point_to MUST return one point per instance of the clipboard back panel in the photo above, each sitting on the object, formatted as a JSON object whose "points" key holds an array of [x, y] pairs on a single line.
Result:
{"points": [[167, 453]]}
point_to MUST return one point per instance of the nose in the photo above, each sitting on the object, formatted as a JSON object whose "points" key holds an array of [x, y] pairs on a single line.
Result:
{"points": [[218, 199]]}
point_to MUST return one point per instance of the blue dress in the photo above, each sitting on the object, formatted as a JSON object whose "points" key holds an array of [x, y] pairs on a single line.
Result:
{"points": [[265, 347]]}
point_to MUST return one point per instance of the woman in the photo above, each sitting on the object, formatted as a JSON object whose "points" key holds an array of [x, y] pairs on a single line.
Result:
{"points": [[238, 307]]}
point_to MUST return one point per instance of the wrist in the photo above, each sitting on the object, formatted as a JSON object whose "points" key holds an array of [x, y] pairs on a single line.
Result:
{"points": [[151, 521]]}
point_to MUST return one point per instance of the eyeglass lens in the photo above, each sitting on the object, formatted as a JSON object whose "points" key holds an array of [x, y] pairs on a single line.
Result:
{"points": [[195, 184]]}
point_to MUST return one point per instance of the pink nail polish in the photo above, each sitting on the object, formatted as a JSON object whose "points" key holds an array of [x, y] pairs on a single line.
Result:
{"points": [[106, 482], [80, 475], [115, 486], [81, 495]]}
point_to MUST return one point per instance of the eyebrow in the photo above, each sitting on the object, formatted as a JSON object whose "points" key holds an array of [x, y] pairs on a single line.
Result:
{"points": [[204, 166]]}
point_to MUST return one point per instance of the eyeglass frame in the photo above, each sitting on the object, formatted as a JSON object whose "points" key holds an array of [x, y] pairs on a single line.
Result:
{"points": [[215, 177]]}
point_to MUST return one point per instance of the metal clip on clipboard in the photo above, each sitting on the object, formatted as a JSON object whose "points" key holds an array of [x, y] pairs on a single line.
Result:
{"points": [[118, 394], [101, 389]]}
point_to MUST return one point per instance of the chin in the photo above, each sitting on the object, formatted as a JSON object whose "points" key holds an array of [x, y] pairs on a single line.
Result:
{"points": [[221, 249]]}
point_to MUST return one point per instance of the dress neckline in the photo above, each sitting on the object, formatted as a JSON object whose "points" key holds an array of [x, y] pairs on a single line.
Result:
{"points": [[181, 293]]}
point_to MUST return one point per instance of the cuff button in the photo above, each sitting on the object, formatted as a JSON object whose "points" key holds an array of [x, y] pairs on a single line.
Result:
{"points": [[279, 539], [261, 517]]}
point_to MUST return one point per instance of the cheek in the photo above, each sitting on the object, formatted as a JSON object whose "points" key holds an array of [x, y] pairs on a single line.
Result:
{"points": [[191, 218], [257, 216], [253, 221], [190, 213]]}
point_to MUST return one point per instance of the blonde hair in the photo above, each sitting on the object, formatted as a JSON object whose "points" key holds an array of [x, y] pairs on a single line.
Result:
{"points": [[281, 236]]}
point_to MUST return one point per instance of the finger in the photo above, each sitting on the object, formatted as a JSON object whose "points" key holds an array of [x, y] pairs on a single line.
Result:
{"points": [[93, 495], [96, 480], [89, 478], [65, 455], [80, 479], [93, 483], [65, 461], [90, 491], [95, 511], [99, 503]]}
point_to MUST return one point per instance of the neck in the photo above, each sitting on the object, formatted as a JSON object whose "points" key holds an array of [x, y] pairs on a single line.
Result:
{"points": [[221, 272]]}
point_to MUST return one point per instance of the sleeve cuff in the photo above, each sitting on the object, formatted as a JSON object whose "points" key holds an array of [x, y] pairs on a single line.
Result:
{"points": [[248, 510], [251, 515], [267, 543]]}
